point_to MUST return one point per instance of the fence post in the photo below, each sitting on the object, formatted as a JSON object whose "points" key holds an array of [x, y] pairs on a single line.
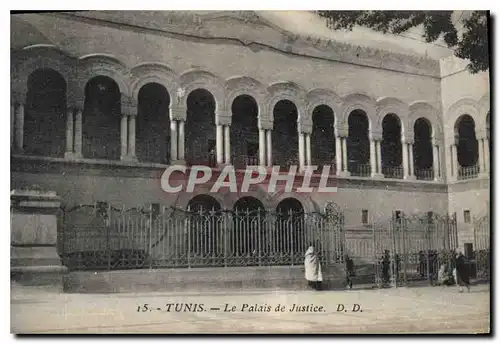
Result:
{"points": [[393, 229]]}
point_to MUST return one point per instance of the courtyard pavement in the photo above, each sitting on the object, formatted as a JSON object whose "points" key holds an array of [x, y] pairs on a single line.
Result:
{"points": [[401, 310]]}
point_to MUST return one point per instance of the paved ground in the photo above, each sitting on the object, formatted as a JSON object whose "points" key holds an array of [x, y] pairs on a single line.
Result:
{"points": [[402, 310]]}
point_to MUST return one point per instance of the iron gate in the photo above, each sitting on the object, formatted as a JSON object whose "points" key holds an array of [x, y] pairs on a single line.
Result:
{"points": [[481, 256], [103, 237]]}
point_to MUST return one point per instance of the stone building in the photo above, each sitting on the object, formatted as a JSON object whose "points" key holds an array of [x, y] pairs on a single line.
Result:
{"points": [[102, 102]]}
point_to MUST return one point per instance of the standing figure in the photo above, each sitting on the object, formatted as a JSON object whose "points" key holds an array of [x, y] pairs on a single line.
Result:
{"points": [[349, 271], [312, 266], [386, 267], [461, 272]]}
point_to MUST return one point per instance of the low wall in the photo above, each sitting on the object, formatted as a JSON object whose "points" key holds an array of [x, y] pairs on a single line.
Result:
{"points": [[197, 279]]}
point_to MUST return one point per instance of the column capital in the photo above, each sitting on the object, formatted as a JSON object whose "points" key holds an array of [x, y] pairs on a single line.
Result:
{"points": [[408, 141], [178, 113], [376, 136], [265, 124], [76, 103], [437, 141], [223, 117], [341, 132], [482, 135]]}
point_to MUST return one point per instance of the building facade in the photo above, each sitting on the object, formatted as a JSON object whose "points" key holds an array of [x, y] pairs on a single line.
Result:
{"points": [[103, 102]]}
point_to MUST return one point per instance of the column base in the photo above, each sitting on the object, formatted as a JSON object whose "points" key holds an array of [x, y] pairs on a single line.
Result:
{"points": [[128, 158], [181, 162], [72, 155], [410, 178], [377, 176], [484, 175]]}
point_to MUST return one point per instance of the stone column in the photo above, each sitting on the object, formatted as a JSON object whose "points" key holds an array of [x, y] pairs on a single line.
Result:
{"points": [[78, 133], [69, 131], [373, 158], [131, 137], [219, 144], [486, 143], [454, 161], [181, 139], [173, 140], [262, 147], [405, 159], [123, 137], [269, 142], [338, 154], [435, 160], [227, 144], [411, 171], [301, 151], [19, 127], [345, 168], [379, 157], [481, 154], [12, 125], [308, 149]]}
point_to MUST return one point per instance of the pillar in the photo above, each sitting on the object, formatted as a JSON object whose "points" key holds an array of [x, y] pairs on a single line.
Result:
{"points": [[227, 144], [406, 168], [308, 149], [411, 171], [486, 143], [131, 136], [338, 154], [344, 155], [77, 146], [180, 141], [269, 142], [301, 151], [219, 144], [19, 127], [173, 140], [454, 161], [262, 147], [481, 154], [70, 136], [373, 157], [435, 161], [123, 136], [379, 156]]}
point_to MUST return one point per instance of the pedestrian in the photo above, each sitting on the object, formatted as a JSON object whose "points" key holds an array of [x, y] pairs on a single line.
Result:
{"points": [[312, 266], [461, 272], [349, 271]]}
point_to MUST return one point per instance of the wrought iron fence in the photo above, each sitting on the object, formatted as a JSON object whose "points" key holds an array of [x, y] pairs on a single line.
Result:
{"points": [[242, 161], [468, 172], [104, 237], [482, 240], [395, 172], [424, 174], [360, 170]]}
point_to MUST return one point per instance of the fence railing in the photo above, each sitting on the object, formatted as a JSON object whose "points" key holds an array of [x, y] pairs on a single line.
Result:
{"points": [[102, 237], [150, 151], [94, 148], [360, 170], [424, 174], [242, 161], [468, 172], [394, 172]]}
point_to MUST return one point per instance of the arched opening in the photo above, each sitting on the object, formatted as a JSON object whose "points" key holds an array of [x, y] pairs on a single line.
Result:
{"points": [[101, 119], [323, 137], [45, 114], [244, 132], [467, 147], [358, 144], [285, 135], [289, 240], [206, 239], [200, 129], [391, 147], [249, 235], [422, 150], [153, 124]]}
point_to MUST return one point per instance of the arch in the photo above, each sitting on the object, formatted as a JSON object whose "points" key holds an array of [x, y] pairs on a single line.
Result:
{"points": [[323, 136], [322, 96], [248, 202], [285, 91], [421, 109], [42, 56], [391, 146], [285, 135], [308, 204], [388, 105], [422, 149], [151, 72], [484, 109], [153, 124], [358, 144], [45, 113], [244, 131], [203, 202], [101, 119], [467, 145], [90, 66], [463, 106], [234, 87], [196, 79], [358, 101]]}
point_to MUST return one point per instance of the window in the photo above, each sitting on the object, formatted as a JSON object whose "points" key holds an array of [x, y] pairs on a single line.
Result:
{"points": [[467, 216], [364, 216]]}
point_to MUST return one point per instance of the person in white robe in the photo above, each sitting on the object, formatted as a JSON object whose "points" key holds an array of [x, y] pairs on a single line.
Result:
{"points": [[312, 267]]}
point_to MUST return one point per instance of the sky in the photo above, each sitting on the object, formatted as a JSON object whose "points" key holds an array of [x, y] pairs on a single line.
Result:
{"points": [[410, 42]]}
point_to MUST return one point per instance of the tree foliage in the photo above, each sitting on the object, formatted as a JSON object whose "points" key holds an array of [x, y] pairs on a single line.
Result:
{"points": [[472, 45]]}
